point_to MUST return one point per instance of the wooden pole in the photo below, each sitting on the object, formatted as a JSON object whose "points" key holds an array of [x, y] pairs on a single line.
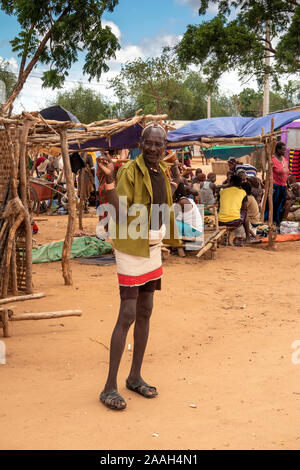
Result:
{"points": [[5, 323], [270, 150], [22, 297], [24, 197], [266, 101], [7, 255], [13, 267], [81, 202], [66, 268], [46, 315]]}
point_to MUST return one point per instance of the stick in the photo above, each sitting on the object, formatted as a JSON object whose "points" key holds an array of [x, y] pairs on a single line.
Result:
{"points": [[13, 267], [7, 255], [204, 249], [66, 268], [46, 315], [5, 323], [23, 191], [81, 201], [22, 297]]}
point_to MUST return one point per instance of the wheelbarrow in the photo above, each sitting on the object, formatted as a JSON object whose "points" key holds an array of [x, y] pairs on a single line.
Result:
{"points": [[40, 191]]}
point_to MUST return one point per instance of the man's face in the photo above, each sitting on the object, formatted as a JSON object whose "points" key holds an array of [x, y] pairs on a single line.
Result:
{"points": [[153, 145]]}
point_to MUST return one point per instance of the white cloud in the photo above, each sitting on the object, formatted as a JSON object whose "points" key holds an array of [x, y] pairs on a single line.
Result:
{"points": [[229, 83]]}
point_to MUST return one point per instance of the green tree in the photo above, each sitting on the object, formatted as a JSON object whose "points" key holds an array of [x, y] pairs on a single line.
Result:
{"points": [[7, 76], [249, 102], [86, 104], [224, 44], [54, 32], [156, 85]]}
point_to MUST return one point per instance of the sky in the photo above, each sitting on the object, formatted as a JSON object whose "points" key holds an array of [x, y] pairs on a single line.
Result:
{"points": [[143, 27]]}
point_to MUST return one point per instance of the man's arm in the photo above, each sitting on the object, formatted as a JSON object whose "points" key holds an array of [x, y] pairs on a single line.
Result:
{"points": [[107, 168]]}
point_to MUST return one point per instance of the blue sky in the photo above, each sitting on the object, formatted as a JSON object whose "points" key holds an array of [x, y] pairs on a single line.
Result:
{"points": [[143, 28]]}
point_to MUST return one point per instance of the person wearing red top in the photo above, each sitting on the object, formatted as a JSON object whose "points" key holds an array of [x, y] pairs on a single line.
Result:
{"points": [[280, 176]]}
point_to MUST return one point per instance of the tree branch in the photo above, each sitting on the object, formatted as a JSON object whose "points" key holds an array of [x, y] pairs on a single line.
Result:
{"points": [[24, 56], [22, 79]]}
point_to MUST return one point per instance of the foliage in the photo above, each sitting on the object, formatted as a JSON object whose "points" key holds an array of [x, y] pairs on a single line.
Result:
{"points": [[249, 102], [54, 32], [86, 104], [161, 86], [7, 76], [225, 43]]}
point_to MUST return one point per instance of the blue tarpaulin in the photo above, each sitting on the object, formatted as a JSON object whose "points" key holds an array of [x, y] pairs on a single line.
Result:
{"points": [[231, 126], [127, 139]]}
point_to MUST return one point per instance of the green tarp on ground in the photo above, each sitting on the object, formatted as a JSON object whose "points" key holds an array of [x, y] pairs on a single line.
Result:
{"points": [[82, 247]]}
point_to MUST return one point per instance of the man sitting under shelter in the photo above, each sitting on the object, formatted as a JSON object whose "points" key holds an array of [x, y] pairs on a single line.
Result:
{"points": [[233, 206]]}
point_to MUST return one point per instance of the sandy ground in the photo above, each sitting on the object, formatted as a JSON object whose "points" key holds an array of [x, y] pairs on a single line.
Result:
{"points": [[221, 337]]}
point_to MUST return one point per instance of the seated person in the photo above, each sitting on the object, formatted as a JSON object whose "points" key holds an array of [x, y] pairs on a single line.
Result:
{"points": [[208, 190], [292, 199], [253, 214], [236, 166], [201, 177], [186, 209], [198, 172], [233, 206]]}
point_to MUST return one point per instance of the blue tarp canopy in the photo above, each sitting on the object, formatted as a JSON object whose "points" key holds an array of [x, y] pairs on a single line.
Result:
{"points": [[231, 127], [127, 139], [224, 153], [58, 113]]}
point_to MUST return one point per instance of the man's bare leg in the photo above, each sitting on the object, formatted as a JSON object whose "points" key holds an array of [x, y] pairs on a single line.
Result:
{"points": [[141, 333], [127, 315]]}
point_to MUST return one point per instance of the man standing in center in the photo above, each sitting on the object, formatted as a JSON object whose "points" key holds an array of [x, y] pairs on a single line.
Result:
{"points": [[145, 184]]}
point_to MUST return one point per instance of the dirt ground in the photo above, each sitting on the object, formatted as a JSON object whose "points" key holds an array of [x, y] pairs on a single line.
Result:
{"points": [[221, 336]]}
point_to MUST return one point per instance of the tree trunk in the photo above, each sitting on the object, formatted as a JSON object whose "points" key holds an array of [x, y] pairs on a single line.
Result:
{"points": [[66, 268]]}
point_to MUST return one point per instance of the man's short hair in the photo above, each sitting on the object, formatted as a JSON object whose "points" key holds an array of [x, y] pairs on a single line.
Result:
{"points": [[247, 187], [236, 180]]}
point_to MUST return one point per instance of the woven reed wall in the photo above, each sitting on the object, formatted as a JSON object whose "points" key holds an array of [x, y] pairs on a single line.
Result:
{"points": [[5, 164]]}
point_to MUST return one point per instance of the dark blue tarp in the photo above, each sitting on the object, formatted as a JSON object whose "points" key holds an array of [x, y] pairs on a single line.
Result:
{"points": [[127, 139], [231, 126], [58, 113]]}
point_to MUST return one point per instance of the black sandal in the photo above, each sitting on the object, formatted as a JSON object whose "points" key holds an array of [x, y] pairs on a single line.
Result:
{"points": [[142, 388], [107, 398]]}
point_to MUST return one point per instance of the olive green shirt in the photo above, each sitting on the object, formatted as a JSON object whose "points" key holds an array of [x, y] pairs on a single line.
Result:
{"points": [[134, 183]]}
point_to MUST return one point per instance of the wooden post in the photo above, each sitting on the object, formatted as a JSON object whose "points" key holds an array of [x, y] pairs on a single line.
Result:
{"points": [[46, 315], [270, 150], [7, 255], [22, 297], [24, 196], [5, 323], [13, 267], [66, 268], [81, 202]]}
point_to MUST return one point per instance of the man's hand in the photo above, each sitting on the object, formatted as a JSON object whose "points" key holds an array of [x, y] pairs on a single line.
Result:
{"points": [[107, 168]]}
